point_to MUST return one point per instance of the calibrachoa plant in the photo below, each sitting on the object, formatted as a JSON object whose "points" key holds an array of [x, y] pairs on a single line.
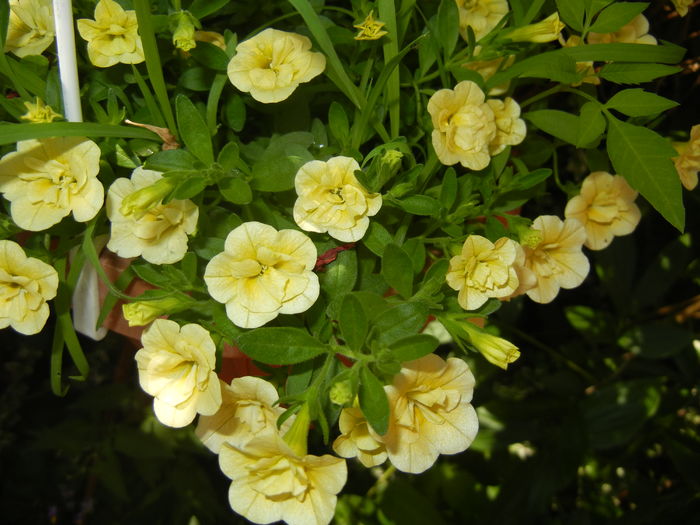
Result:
{"points": [[323, 191]]}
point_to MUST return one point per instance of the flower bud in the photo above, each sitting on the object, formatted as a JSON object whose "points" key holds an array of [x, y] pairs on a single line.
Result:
{"points": [[297, 434], [389, 165], [341, 392], [139, 202], [496, 350], [141, 313], [543, 31], [183, 25]]}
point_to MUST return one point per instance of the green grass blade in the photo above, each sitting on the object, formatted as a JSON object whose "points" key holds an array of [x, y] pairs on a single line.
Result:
{"points": [[151, 104], [387, 14], [11, 133]]}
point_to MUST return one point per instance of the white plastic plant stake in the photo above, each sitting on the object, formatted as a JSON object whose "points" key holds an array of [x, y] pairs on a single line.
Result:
{"points": [[86, 300]]}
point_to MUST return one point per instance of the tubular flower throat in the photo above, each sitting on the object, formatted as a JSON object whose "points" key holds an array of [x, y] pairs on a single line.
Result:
{"points": [[272, 64], [47, 179], [113, 36], [26, 284], [263, 272], [31, 27], [330, 199], [605, 207]]}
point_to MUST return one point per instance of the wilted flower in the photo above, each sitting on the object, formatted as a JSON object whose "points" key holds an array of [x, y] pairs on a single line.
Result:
{"points": [[634, 32], [113, 36], [47, 179], [357, 439], [39, 112], [211, 37], [557, 260], [510, 128], [247, 410], [270, 482], [370, 29], [330, 199], [481, 15], [431, 413], [176, 366], [263, 272], [26, 283], [464, 126], [483, 270], [688, 161], [183, 25], [682, 6], [141, 313], [31, 27], [543, 31], [273, 63], [144, 226], [605, 207]]}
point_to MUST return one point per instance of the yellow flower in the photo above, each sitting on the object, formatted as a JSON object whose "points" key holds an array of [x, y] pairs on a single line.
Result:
{"points": [[113, 36], [247, 410], [481, 15], [510, 128], [176, 366], [634, 32], [496, 350], [605, 207], [141, 313], [688, 160], [263, 272], [682, 6], [183, 25], [543, 31], [431, 413], [269, 482], [370, 29], [273, 63], [157, 232], [357, 439], [39, 112], [26, 284], [31, 28], [585, 68], [526, 277], [464, 126], [330, 199], [483, 270], [557, 260], [47, 179]]}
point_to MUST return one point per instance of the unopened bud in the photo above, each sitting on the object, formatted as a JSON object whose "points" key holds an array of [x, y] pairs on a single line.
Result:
{"points": [[543, 31], [139, 202], [183, 25], [341, 392], [141, 313]]}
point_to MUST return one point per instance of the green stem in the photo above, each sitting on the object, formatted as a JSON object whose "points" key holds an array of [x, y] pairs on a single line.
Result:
{"points": [[217, 88], [540, 96]]}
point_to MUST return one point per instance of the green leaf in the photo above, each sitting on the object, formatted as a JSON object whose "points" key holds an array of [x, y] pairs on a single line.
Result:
{"points": [[639, 103], [622, 73], [644, 158], [448, 189], [353, 322], [390, 49], [657, 340], [413, 347], [420, 205], [397, 270], [340, 275], [591, 124], [553, 65], [171, 160], [190, 187], [202, 8], [620, 52], [193, 130], [235, 190], [373, 401], [235, 113], [448, 26], [616, 15], [399, 321], [560, 124], [571, 12], [11, 133], [338, 123], [210, 56], [376, 238], [280, 345], [527, 181]]}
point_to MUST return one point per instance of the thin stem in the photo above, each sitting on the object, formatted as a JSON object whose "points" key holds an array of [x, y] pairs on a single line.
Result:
{"points": [[542, 95]]}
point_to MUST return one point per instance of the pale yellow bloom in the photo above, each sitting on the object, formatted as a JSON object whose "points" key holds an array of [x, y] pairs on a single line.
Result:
{"points": [[269, 482], [263, 272], [370, 29], [141, 313], [330, 199], [688, 161], [47, 179], [357, 439], [605, 207], [113, 36], [464, 126], [488, 68], [585, 68], [496, 350], [481, 15], [557, 260], [431, 413], [38, 112], [176, 367], [483, 270], [272, 64], [634, 32], [682, 6], [526, 277], [158, 232], [26, 283], [31, 27], [540, 32], [247, 410], [510, 128], [211, 37]]}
